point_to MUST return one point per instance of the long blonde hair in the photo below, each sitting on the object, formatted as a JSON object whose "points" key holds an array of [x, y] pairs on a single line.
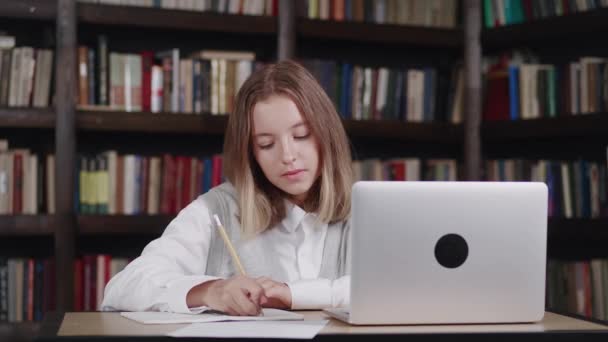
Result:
{"points": [[261, 204]]}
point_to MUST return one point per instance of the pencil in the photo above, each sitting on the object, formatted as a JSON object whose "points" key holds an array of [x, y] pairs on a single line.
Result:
{"points": [[231, 249], [235, 257]]}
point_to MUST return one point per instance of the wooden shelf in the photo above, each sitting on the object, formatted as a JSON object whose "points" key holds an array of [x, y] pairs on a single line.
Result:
{"points": [[27, 225], [123, 224], [151, 122], [584, 125], [413, 131], [29, 9], [19, 331], [160, 18], [549, 29], [216, 124], [27, 117], [380, 33], [578, 229], [558, 228]]}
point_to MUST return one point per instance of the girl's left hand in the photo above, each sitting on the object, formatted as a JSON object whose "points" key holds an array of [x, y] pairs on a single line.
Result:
{"points": [[277, 295]]}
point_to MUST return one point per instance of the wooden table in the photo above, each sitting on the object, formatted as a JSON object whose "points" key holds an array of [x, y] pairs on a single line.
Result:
{"points": [[111, 326]]}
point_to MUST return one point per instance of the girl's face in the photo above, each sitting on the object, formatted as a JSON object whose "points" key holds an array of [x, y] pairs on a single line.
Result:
{"points": [[284, 147]]}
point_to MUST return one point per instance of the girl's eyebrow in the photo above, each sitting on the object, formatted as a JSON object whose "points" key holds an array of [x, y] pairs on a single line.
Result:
{"points": [[301, 123]]}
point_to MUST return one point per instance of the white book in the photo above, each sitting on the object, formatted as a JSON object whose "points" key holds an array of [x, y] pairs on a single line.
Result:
{"points": [[28, 63], [30, 185], [244, 69], [156, 100], [15, 80], [4, 183], [154, 317], [129, 184], [222, 73], [412, 169], [382, 90]]}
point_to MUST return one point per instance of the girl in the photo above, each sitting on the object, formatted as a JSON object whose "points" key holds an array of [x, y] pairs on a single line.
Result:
{"points": [[285, 207]]}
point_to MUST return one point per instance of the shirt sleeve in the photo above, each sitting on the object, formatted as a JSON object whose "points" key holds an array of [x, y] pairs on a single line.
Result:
{"points": [[320, 293], [168, 267]]}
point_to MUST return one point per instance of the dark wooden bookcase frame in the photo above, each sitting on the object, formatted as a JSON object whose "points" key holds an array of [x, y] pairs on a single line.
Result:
{"points": [[66, 121]]}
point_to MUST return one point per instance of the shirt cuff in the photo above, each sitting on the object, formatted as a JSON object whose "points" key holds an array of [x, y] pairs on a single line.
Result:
{"points": [[177, 291], [310, 294]]}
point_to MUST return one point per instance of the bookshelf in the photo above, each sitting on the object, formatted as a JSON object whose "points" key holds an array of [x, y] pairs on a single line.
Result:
{"points": [[76, 129], [566, 138], [287, 36]]}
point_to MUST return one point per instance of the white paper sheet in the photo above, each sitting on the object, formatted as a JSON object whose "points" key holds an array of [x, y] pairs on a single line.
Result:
{"points": [[261, 329], [153, 317]]}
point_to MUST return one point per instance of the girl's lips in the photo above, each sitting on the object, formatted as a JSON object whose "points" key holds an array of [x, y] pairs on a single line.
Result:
{"points": [[292, 173]]}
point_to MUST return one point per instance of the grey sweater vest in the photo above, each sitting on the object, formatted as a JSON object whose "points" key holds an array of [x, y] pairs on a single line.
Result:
{"points": [[222, 201]]}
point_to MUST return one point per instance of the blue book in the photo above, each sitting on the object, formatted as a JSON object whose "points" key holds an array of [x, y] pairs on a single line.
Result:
{"points": [[514, 92]]}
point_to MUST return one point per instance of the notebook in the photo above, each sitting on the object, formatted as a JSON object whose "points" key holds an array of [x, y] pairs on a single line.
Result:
{"points": [[153, 317]]}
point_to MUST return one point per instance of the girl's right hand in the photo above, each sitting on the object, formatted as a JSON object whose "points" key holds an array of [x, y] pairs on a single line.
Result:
{"points": [[237, 296]]}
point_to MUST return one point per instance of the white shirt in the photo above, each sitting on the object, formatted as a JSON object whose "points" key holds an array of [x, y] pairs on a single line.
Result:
{"points": [[171, 265]]}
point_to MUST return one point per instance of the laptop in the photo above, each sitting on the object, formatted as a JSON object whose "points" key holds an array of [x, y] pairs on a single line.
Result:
{"points": [[447, 253]]}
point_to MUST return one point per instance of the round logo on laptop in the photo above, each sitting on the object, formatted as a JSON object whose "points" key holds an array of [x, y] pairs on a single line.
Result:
{"points": [[451, 250]]}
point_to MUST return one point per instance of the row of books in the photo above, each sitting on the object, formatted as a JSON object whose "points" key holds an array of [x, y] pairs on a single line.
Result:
{"points": [[92, 272], [25, 76], [244, 7], [577, 189], [406, 169], [410, 95], [27, 288], [202, 82], [517, 90], [578, 287], [435, 13], [23, 177], [110, 183], [131, 184], [506, 12]]}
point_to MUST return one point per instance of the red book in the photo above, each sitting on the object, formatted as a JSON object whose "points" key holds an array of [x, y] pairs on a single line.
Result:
{"points": [[528, 11], [78, 285], [186, 181], [216, 175], [147, 61], [275, 8], [90, 283], [397, 170], [30, 289], [496, 106]]}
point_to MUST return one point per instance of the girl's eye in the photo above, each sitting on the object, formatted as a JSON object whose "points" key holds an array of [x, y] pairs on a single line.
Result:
{"points": [[302, 137], [265, 147]]}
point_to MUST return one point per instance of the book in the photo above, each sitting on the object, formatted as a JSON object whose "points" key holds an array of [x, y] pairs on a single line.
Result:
{"points": [[154, 317]]}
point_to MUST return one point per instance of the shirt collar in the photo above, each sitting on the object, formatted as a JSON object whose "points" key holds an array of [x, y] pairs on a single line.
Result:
{"points": [[293, 216]]}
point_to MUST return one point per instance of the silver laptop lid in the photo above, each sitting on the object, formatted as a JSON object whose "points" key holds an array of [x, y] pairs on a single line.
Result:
{"points": [[448, 252]]}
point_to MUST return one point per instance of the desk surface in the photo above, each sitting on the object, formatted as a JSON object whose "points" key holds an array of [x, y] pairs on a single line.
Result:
{"points": [[111, 325]]}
